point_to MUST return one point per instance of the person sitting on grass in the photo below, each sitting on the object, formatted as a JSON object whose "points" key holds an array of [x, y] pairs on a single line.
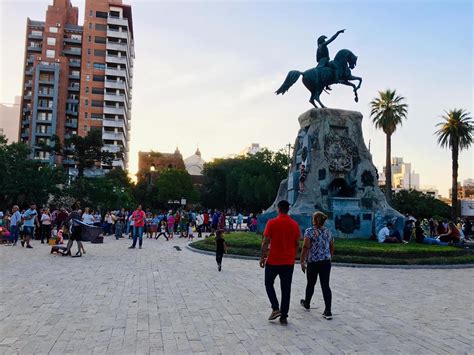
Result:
{"points": [[452, 236], [389, 235], [420, 236]]}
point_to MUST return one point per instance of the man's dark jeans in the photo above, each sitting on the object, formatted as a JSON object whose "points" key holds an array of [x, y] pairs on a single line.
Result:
{"points": [[285, 272]]}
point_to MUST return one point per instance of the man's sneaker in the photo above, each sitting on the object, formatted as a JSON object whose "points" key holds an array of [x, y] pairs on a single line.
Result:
{"points": [[275, 314], [131, 247], [29, 246], [327, 315], [303, 303], [140, 247], [283, 321], [23, 243], [219, 267]]}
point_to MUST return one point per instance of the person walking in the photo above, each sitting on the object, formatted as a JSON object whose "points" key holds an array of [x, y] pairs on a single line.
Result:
{"points": [[46, 222], [138, 218], [15, 221], [221, 248], [318, 250], [30, 220], [74, 219], [280, 240]]}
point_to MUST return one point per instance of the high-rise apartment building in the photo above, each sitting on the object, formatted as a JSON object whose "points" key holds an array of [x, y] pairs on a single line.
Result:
{"points": [[78, 78]]}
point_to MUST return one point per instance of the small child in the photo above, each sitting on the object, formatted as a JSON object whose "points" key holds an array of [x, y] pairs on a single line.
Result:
{"points": [[162, 231], [221, 248], [190, 231]]}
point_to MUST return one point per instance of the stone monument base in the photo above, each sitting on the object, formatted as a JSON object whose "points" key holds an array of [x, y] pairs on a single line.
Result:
{"points": [[339, 177]]}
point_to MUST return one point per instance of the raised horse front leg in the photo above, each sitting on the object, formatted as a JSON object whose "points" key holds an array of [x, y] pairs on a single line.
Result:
{"points": [[355, 88], [356, 78]]}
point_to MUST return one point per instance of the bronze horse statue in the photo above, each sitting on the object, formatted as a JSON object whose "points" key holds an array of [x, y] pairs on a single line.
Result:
{"points": [[337, 71]]}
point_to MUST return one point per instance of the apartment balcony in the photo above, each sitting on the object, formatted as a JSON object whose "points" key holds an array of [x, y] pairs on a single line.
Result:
{"points": [[75, 63], [113, 136], [45, 108], [118, 164], [116, 72], [112, 20], [74, 76], [113, 84], [29, 71], [115, 59], [25, 122], [71, 123], [115, 98], [120, 123], [30, 59], [45, 93], [74, 88], [25, 135], [45, 133], [27, 97], [112, 110], [46, 81], [117, 34], [34, 49], [43, 120], [35, 36], [72, 51], [72, 40], [117, 46], [28, 84], [26, 109], [72, 113], [72, 101], [112, 148]]}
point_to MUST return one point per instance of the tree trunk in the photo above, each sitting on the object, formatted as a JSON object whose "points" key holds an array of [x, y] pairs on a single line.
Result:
{"points": [[388, 168], [454, 187]]}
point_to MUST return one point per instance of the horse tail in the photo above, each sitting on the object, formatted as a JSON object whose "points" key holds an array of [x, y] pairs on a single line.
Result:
{"points": [[291, 78]]}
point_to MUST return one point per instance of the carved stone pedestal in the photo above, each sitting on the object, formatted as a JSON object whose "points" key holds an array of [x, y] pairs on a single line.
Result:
{"points": [[340, 178]]}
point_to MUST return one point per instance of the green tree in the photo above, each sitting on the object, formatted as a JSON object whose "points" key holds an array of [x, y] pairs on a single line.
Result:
{"points": [[388, 112], [245, 183], [419, 204], [24, 180], [111, 192], [455, 133]]}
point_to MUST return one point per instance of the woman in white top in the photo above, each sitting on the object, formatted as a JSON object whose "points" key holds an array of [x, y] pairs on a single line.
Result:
{"points": [[45, 225], [87, 217]]}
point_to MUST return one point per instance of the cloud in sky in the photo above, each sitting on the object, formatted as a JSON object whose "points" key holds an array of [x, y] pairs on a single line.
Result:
{"points": [[205, 72]]}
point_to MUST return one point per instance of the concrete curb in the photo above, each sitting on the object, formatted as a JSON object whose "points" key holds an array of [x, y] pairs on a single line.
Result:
{"points": [[355, 266]]}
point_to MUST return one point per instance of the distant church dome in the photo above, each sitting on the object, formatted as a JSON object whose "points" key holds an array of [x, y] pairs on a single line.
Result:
{"points": [[194, 164]]}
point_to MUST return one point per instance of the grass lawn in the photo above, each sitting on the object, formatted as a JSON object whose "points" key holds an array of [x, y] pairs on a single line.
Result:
{"points": [[359, 251]]}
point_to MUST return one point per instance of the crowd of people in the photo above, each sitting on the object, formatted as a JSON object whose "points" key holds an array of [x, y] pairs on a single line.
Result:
{"points": [[432, 231], [53, 225]]}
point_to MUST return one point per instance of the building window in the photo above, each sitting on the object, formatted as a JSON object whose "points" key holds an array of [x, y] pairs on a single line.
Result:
{"points": [[96, 103], [89, 38], [91, 13], [98, 91], [36, 33], [51, 41], [90, 25], [53, 29], [101, 14], [88, 77], [100, 27], [87, 89], [88, 65], [50, 53], [86, 102], [100, 66], [99, 53], [102, 40], [98, 78], [88, 51]]}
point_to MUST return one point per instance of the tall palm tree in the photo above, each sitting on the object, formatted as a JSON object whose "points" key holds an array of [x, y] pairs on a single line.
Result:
{"points": [[388, 111], [455, 133]]}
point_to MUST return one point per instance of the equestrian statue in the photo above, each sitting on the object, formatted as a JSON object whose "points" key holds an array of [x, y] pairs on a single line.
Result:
{"points": [[326, 73]]}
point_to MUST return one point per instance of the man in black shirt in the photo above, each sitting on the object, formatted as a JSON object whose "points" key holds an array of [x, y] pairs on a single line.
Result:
{"points": [[221, 248]]}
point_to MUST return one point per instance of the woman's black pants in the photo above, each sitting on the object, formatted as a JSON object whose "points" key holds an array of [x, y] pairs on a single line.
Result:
{"points": [[323, 269]]}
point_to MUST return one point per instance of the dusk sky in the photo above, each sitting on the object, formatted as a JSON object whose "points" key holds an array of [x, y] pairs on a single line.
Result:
{"points": [[205, 72]]}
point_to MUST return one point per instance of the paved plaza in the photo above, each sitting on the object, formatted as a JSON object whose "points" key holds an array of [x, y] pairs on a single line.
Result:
{"points": [[161, 300]]}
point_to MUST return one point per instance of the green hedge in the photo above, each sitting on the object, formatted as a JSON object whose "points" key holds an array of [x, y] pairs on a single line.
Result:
{"points": [[359, 251]]}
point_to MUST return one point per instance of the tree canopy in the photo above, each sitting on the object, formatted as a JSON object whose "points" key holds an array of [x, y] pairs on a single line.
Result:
{"points": [[419, 204], [246, 183]]}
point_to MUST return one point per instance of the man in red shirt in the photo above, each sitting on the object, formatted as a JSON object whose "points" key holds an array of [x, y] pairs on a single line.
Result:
{"points": [[138, 218], [280, 239]]}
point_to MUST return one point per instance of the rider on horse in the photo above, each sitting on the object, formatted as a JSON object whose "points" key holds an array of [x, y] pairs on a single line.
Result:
{"points": [[322, 54]]}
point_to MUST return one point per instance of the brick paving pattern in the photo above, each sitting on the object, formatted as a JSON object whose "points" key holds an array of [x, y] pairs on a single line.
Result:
{"points": [[161, 300]]}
